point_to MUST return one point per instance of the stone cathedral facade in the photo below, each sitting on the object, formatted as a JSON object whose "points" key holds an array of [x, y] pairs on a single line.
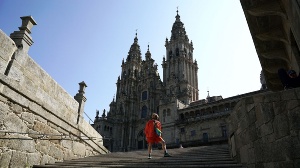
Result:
{"points": [[141, 91]]}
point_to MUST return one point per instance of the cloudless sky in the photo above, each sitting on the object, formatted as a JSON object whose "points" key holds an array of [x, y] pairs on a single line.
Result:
{"points": [[86, 40]]}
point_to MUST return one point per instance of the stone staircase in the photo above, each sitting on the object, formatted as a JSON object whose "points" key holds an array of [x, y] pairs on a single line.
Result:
{"points": [[202, 156]]}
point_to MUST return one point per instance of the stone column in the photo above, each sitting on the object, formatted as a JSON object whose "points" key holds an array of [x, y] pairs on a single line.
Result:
{"points": [[22, 37], [81, 99]]}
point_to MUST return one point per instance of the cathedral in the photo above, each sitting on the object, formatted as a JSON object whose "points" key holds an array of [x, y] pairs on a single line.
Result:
{"points": [[141, 92]]}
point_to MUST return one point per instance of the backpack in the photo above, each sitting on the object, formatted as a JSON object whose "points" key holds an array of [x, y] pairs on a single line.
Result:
{"points": [[152, 129]]}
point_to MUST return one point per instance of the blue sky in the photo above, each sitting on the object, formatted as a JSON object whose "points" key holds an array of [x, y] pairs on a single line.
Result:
{"points": [[86, 40]]}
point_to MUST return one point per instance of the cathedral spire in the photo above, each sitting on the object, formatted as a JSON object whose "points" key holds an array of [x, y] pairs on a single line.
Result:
{"points": [[148, 54], [134, 51], [135, 39], [177, 16], [208, 94], [178, 30]]}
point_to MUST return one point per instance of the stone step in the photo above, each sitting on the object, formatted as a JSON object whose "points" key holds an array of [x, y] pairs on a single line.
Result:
{"points": [[146, 165], [202, 156]]}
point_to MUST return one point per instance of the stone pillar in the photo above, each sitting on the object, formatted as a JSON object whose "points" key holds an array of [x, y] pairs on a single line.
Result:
{"points": [[81, 99], [22, 37]]}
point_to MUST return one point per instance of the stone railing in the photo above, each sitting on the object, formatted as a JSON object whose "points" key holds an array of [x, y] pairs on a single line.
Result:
{"points": [[39, 121]]}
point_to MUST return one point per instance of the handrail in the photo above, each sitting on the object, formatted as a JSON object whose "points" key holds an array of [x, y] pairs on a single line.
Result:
{"points": [[89, 118]]}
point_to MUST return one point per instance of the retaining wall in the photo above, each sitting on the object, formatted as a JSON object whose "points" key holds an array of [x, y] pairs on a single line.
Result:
{"points": [[38, 118], [265, 130]]}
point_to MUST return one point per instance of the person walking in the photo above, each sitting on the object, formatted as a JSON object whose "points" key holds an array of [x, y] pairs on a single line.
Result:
{"points": [[153, 135]]}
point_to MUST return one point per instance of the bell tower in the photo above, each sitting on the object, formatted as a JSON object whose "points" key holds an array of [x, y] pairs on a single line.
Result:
{"points": [[179, 68]]}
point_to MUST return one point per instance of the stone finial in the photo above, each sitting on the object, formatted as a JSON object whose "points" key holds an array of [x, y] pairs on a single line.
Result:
{"points": [[82, 87], [81, 99], [103, 114], [27, 23], [22, 37]]}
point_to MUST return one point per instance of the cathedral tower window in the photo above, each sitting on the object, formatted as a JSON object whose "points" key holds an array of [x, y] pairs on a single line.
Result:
{"points": [[181, 116], [170, 54], [193, 133], [177, 51], [144, 95], [144, 112]]}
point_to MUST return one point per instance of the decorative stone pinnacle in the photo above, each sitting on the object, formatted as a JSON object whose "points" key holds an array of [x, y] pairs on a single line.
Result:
{"points": [[82, 87], [27, 23], [22, 37]]}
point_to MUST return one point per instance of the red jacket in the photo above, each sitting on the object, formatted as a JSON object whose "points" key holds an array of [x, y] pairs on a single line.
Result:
{"points": [[149, 128]]}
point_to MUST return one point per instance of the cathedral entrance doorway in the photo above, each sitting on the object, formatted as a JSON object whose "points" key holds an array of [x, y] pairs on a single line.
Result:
{"points": [[205, 137], [142, 144]]}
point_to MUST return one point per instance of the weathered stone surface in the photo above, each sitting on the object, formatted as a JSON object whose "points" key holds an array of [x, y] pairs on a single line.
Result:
{"points": [[294, 118], [21, 143], [43, 146], [281, 126], [40, 119], [251, 115], [272, 98], [267, 111], [68, 154], [265, 129], [297, 163], [78, 149], [279, 107], [36, 108], [29, 117], [5, 158], [67, 144], [32, 102], [14, 123], [43, 128], [8, 47], [295, 148], [252, 131], [33, 158], [47, 159], [16, 108], [33, 134], [288, 95], [251, 155], [2, 99], [18, 159], [282, 150], [245, 156], [292, 104], [4, 110], [55, 152], [16, 97], [285, 164], [241, 109], [269, 165]]}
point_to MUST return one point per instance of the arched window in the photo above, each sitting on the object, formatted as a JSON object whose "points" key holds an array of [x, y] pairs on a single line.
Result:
{"points": [[181, 116], [170, 55], [144, 95], [144, 112], [177, 51]]}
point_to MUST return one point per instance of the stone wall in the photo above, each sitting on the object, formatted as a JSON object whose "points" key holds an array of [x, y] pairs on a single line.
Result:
{"points": [[39, 121], [265, 130]]}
